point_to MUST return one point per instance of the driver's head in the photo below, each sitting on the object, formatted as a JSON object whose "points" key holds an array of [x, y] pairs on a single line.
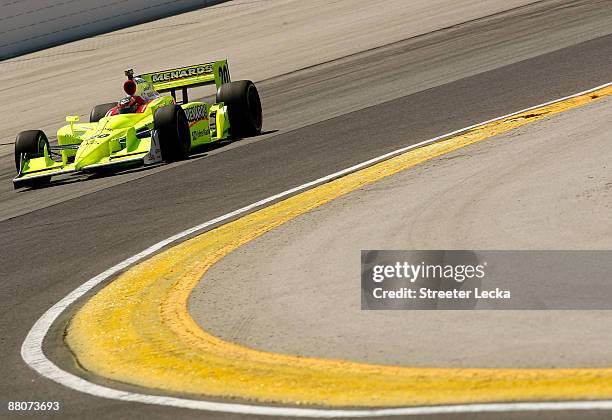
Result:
{"points": [[139, 92], [129, 105]]}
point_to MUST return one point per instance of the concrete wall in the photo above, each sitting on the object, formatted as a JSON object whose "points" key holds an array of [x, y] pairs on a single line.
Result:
{"points": [[31, 25]]}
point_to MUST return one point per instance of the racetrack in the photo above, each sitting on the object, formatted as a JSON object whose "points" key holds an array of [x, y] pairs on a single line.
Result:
{"points": [[298, 99], [422, 87], [519, 190]]}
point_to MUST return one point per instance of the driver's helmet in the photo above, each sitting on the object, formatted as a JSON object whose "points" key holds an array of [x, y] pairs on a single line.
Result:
{"points": [[144, 89], [139, 92]]}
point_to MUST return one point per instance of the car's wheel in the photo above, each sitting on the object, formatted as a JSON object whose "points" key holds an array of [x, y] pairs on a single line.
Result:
{"points": [[28, 145], [173, 132], [99, 111], [243, 106]]}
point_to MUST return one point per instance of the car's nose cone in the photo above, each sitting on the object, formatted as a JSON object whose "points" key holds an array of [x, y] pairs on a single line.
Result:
{"points": [[90, 152]]}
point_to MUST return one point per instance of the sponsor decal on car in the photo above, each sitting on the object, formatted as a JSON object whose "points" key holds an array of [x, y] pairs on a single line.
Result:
{"points": [[200, 133], [98, 136], [196, 113], [171, 75]]}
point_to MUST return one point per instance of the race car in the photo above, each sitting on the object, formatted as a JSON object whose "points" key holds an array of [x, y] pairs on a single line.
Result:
{"points": [[145, 127]]}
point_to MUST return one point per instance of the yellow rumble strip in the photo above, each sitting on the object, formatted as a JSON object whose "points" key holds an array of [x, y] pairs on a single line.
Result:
{"points": [[138, 330]]}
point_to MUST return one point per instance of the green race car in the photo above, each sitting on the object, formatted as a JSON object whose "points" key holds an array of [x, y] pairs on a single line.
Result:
{"points": [[145, 127]]}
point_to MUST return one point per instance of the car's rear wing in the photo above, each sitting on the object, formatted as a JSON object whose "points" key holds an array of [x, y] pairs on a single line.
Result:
{"points": [[216, 72]]}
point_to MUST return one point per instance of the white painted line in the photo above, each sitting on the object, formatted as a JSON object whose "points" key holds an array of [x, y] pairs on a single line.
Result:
{"points": [[32, 347]]}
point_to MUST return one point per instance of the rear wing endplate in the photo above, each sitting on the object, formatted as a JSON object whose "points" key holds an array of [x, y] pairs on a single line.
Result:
{"points": [[216, 72]]}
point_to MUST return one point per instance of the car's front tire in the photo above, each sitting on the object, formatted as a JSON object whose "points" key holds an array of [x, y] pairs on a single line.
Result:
{"points": [[31, 144], [243, 106], [172, 128]]}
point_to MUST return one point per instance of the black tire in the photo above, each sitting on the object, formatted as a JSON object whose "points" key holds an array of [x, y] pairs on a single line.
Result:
{"points": [[173, 132], [31, 144], [99, 111], [243, 107]]}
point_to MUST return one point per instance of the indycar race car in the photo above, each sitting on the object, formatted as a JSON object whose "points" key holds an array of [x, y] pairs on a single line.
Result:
{"points": [[145, 127]]}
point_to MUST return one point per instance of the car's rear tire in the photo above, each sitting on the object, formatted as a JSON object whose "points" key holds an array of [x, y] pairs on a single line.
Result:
{"points": [[172, 128], [243, 106], [99, 111], [31, 144]]}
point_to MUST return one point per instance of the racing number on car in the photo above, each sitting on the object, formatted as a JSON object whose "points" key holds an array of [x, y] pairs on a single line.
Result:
{"points": [[224, 74]]}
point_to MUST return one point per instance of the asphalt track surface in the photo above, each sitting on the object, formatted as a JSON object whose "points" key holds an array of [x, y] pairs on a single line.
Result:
{"points": [[473, 72]]}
